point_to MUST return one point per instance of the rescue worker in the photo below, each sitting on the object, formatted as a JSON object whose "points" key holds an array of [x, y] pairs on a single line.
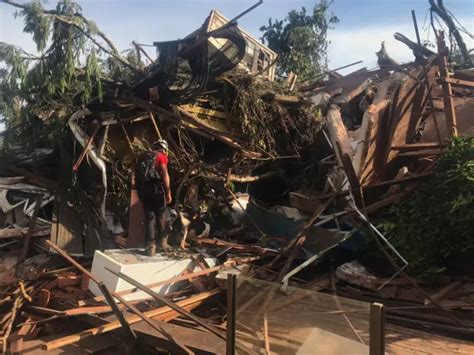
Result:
{"points": [[153, 187]]}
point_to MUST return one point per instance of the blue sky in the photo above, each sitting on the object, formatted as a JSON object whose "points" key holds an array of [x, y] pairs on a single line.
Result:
{"points": [[363, 23]]}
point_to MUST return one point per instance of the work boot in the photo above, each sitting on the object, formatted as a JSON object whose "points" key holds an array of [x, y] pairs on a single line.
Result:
{"points": [[151, 249], [164, 246]]}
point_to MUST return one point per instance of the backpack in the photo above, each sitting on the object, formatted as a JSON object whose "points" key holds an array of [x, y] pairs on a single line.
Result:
{"points": [[146, 170]]}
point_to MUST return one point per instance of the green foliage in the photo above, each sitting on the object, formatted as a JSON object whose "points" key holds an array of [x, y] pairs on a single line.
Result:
{"points": [[67, 44], [49, 87], [92, 77], [268, 125], [436, 223], [300, 40], [37, 24]]}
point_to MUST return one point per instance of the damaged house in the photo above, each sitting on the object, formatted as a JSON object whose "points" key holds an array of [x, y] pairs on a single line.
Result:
{"points": [[275, 185]]}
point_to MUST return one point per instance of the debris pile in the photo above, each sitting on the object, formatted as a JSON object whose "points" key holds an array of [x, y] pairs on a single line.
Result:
{"points": [[269, 177]]}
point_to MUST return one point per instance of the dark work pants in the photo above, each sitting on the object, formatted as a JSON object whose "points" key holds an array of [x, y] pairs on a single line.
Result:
{"points": [[154, 208]]}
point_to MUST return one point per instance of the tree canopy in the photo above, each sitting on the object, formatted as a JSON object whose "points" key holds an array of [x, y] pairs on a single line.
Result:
{"points": [[301, 40], [74, 58]]}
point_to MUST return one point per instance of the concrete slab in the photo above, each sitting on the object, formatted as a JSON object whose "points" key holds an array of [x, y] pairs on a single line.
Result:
{"points": [[144, 269]]}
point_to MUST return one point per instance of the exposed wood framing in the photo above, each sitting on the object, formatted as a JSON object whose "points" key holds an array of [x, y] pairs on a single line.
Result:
{"points": [[449, 111]]}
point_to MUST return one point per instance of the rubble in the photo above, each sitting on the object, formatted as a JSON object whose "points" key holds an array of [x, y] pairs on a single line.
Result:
{"points": [[270, 177]]}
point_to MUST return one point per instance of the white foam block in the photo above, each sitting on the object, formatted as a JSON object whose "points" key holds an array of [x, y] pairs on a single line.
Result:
{"points": [[145, 269]]}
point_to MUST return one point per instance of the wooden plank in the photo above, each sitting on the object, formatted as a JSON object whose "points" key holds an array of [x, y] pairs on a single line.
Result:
{"points": [[67, 222], [118, 313], [161, 312], [198, 340], [337, 132], [287, 99], [364, 134], [155, 126], [218, 20], [136, 220], [86, 149], [31, 228], [353, 180], [169, 303], [67, 228], [308, 202], [443, 293], [456, 82], [420, 153], [399, 180], [377, 329], [90, 310], [369, 141], [377, 140], [231, 313], [95, 345], [447, 90], [256, 53], [402, 340], [33, 177], [415, 146], [109, 296], [208, 112], [159, 283], [407, 104], [20, 232], [11, 180], [349, 95]]}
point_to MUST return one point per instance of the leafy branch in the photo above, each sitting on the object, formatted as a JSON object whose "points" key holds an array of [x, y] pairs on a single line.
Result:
{"points": [[37, 22]]}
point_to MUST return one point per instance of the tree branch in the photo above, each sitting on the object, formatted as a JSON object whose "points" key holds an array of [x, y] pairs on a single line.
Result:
{"points": [[88, 35], [441, 11], [113, 50]]}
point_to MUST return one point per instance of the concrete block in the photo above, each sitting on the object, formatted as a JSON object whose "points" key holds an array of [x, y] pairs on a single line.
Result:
{"points": [[144, 269]]}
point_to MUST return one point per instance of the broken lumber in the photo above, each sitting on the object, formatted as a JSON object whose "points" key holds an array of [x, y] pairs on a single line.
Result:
{"points": [[86, 149], [160, 283], [167, 302], [160, 313], [109, 296], [449, 111], [443, 293], [415, 146], [21, 232], [457, 82], [337, 132]]}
